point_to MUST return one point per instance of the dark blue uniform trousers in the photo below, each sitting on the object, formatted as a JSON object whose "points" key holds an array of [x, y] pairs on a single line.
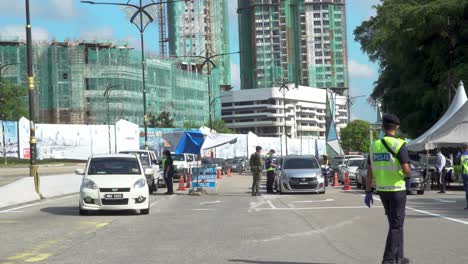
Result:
{"points": [[395, 205]]}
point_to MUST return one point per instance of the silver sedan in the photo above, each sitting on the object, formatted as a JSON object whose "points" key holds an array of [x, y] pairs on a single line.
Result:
{"points": [[299, 174]]}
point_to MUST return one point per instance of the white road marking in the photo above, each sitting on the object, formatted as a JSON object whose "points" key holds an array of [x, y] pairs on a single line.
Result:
{"points": [[271, 204], [438, 215], [205, 209], [308, 233], [312, 208], [318, 201], [443, 200], [39, 203], [432, 214], [6, 212], [255, 205], [214, 202]]}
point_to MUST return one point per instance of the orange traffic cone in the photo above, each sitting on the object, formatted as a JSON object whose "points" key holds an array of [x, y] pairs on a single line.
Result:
{"points": [[189, 180], [219, 175], [229, 172], [336, 183], [346, 186], [181, 183]]}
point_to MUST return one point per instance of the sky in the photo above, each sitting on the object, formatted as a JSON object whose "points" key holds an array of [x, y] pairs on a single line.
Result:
{"points": [[70, 19]]}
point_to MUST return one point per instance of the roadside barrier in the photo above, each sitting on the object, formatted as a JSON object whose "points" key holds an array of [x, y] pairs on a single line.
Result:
{"points": [[346, 186]]}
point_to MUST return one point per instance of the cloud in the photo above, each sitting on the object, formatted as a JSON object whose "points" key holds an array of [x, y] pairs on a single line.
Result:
{"points": [[45, 9], [11, 32], [97, 33], [360, 70], [235, 75]]}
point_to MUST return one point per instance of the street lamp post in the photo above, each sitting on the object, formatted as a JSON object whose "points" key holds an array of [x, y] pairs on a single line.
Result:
{"points": [[349, 104], [284, 89], [107, 94], [141, 13], [212, 102], [207, 59], [33, 168]]}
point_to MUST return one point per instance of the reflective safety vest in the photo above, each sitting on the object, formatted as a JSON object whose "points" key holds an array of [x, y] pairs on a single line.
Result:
{"points": [[386, 168], [164, 163], [464, 163], [268, 161]]}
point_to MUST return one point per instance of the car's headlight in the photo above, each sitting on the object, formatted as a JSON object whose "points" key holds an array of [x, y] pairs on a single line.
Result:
{"points": [[139, 184], [89, 184]]}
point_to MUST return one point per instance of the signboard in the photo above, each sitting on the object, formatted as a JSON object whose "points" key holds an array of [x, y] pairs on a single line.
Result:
{"points": [[204, 177]]}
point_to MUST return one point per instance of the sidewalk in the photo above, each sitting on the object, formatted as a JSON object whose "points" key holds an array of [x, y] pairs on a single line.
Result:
{"points": [[22, 191]]}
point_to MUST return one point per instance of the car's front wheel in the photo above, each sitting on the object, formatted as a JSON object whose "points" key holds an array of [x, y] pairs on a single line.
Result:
{"points": [[421, 192], [145, 211], [83, 212]]}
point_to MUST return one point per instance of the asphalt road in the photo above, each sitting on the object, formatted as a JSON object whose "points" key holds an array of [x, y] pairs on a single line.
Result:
{"points": [[234, 227], [12, 174]]}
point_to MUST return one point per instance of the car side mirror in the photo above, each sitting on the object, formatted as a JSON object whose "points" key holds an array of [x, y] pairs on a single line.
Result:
{"points": [[149, 171], [79, 172]]}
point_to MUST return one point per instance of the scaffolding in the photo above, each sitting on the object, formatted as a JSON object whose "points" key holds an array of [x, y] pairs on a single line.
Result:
{"points": [[200, 28], [302, 41], [71, 78]]}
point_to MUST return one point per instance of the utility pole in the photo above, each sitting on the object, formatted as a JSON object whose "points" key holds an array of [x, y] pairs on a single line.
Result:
{"points": [[284, 89], [33, 168], [107, 94]]}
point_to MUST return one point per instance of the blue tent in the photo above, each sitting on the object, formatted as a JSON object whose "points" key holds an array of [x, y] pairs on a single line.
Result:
{"points": [[190, 142]]}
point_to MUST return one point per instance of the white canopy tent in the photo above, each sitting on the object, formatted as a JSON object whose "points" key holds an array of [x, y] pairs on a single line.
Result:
{"points": [[453, 133], [423, 142]]}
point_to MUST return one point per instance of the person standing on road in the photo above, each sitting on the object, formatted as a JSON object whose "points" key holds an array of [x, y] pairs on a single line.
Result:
{"points": [[389, 165], [168, 165], [440, 166], [270, 169], [256, 167], [464, 171]]}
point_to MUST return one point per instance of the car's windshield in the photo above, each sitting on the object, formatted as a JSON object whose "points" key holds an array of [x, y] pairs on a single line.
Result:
{"points": [[114, 165], [144, 157], [231, 161], [337, 161], [300, 163], [354, 163], [178, 157]]}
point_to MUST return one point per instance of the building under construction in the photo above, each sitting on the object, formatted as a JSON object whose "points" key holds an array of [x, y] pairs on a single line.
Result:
{"points": [[200, 28], [302, 41], [71, 78]]}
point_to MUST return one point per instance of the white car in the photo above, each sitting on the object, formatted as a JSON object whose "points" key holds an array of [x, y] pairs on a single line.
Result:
{"points": [[114, 182], [148, 160]]}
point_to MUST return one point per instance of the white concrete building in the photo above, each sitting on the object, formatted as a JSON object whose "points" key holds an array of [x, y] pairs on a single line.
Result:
{"points": [[261, 111]]}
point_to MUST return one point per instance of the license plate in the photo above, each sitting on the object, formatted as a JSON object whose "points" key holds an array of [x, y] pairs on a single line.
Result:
{"points": [[114, 196], [304, 183]]}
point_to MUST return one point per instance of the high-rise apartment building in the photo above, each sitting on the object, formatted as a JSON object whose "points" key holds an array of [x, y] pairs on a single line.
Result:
{"points": [[301, 41], [200, 28]]}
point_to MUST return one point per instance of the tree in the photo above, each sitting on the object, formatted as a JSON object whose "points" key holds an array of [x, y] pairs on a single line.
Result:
{"points": [[12, 105], [191, 125], [220, 126], [163, 120], [421, 47], [355, 136]]}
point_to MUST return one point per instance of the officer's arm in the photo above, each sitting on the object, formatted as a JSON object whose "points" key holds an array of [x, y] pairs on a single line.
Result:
{"points": [[406, 169]]}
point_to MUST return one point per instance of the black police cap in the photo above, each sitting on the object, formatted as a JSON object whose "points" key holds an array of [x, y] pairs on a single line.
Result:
{"points": [[390, 119], [258, 148]]}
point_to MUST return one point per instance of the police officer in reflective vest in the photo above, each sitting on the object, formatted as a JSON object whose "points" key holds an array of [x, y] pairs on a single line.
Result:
{"points": [[270, 169], [390, 168], [464, 166]]}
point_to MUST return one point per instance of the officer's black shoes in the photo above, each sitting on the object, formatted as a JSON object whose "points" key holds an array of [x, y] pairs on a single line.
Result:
{"points": [[402, 261], [388, 262], [466, 208]]}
